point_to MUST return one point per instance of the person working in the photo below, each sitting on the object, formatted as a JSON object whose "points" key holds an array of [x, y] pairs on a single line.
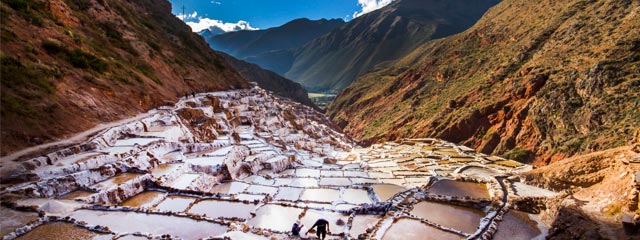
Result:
{"points": [[295, 229], [323, 228]]}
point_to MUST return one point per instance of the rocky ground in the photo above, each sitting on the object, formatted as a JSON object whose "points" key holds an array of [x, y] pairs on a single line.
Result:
{"points": [[245, 164]]}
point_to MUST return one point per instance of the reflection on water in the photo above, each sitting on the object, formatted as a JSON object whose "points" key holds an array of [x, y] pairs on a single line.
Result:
{"points": [[275, 217], [386, 191], [213, 208], [461, 218], [412, 229], [516, 225], [144, 199], [152, 223], [175, 203], [459, 189]]}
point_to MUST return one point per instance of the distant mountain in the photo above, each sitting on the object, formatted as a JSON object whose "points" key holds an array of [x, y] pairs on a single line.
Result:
{"points": [[254, 45], [331, 62], [532, 80], [211, 32], [270, 81]]}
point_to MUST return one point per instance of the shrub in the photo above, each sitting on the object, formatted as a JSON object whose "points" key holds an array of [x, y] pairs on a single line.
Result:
{"points": [[520, 155], [82, 59], [53, 47]]}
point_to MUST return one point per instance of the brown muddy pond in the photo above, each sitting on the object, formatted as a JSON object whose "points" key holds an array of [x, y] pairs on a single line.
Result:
{"points": [[12, 219], [320, 195], [516, 225], [460, 218], [386, 191], [62, 231], [114, 181], [76, 195], [412, 229], [155, 224], [459, 189], [163, 169], [275, 217], [215, 208], [175, 203], [144, 200], [361, 223]]}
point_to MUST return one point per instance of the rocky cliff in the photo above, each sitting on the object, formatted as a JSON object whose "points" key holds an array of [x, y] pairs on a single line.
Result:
{"points": [[532, 80], [68, 65]]}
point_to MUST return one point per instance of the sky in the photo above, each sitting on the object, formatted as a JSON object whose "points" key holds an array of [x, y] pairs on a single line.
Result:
{"points": [[233, 15]]}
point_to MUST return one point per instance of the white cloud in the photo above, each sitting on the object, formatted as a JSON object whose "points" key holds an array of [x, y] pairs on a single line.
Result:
{"points": [[205, 23], [216, 2], [198, 24], [370, 6], [188, 16]]}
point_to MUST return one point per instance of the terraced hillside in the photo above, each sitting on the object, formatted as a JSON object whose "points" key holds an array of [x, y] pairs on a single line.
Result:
{"points": [[531, 80], [68, 65]]}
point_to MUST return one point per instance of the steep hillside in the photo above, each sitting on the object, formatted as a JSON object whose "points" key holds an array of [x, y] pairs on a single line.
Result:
{"points": [[270, 80], [531, 80], [271, 48], [332, 61], [68, 65], [602, 188]]}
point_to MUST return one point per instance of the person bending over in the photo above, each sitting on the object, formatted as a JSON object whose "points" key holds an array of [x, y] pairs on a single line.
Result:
{"points": [[323, 228]]}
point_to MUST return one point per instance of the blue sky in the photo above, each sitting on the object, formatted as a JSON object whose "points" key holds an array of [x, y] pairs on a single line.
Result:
{"points": [[233, 15]]}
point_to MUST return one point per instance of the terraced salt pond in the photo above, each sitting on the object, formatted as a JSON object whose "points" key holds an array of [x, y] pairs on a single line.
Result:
{"points": [[214, 208], [460, 218], [151, 223], [254, 173]]}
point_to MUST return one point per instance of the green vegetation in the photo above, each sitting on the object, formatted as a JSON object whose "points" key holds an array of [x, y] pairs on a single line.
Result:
{"points": [[82, 59], [17, 76], [520, 155], [78, 58]]}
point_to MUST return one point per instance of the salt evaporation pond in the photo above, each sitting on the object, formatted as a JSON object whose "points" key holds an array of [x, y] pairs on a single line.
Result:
{"points": [[62, 231], [184, 181], [229, 188], [275, 217], [320, 195], [163, 169], [151, 223], [412, 229], [114, 181], [77, 195], [144, 200], [356, 196], [516, 225], [386, 191], [460, 218], [361, 223], [12, 219], [459, 189], [289, 193], [175, 203], [226, 209]]}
